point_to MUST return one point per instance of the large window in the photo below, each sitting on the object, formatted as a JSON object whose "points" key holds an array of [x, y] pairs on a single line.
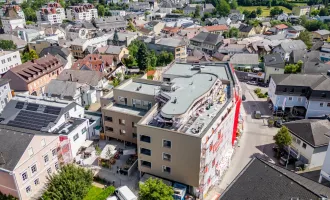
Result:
{"points": [[145, 138], [107, 118], [146, 164], [167, 143], [145, 151], [122, 121], [34, 168], [110, 129], [167, 156], [24, 176], [166, 169], [84, 130]]}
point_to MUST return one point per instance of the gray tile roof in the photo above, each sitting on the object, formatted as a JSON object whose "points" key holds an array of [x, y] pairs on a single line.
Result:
{"points": [[311, 67], [246, 59], [306, 80], [88, 77], [58, 88], [274, 60], [4, 81], [208, 38], [113, 49], [293, 45], [323, 32], [315, 132], [298, 28], [261, 180]]}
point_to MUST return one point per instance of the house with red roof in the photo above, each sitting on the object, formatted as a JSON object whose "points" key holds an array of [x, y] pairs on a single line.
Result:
{"points": [[281, 29], [96, 62]]}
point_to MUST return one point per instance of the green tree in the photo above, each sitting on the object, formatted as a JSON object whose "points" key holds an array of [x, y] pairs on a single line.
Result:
{"points": [[246, 13], [102, 2], [7, 45], [324, 12], [62, 3], [197, 12], [29, 55], [71, 183], [315, 12], [275, 11], [177, 11], [30, 14], [225, 34], [306, 37], [233, 32], [259, 11], [152, 59], [115, 39], [130, 26], [293, 68], [155, 189], [254, 23], [101, 10], [269, 4], [206, 15], [233, 4], [146, 13], [253, 14], [6, 197], [164, 58], [283, 137], [142, 57], [223, 8]]}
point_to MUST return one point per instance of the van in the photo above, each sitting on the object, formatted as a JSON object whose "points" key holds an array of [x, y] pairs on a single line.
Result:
{"points": [[124, 193]]}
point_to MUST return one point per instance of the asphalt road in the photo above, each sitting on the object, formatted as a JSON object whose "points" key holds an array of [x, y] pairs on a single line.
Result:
{"points": [[257, 139]]}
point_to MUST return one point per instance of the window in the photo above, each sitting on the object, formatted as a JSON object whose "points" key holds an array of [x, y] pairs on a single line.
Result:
{"points": [[49, 170], [167, 143], [43, 142], [36, 182], [304, 145], [122, 131], [145, 138], [292, 90], [166, 156], [323, 95], [133, 124], [110, 129], [145, 151], [30, 151], [34, 169], [46, 159], [24, 176], [122, 121], [166, 169], [54, 152], [145, 164], [109, 119], [67, 115], [328, 104], [56, 166], [134, 135], [14, 56], [8, 59], [299, 99], [136, 102], [75, 137], [285, 89], [28, 189], [3, 61], [84, 130], [321, 104]]}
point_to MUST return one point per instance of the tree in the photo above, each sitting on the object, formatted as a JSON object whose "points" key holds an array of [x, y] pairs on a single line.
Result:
{"points": [[246, 13], [177, 11], [197, 12], [101, 10], [324, 12], [206, 15], [152, 59], [6, 197], [223, 8], [71, 183], [115, 39], [315, 12], [293, 68], [233, 32], [283, 137], [164, 58], [155, 189], [131, 27], [225, 34], [275, 11], [146, 13], [62, 3], [253, 14], [30, 14], [233, 4], [102, 2], [259, 11], [142, 57], [29, 55], [254, 23], [269, 4], [306, 37], [7, 45]]}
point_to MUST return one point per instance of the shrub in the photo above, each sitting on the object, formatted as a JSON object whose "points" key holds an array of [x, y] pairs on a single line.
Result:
{"points": [[257, 90], [261, 95]]}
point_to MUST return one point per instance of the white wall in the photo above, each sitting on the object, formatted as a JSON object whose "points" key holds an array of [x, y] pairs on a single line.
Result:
{"points": [[325, 172], [10, 25], [5, 96], [82, 137], [9, 60], [318, 157]]}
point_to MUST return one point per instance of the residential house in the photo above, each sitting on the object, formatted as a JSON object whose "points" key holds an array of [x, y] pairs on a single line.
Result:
{"points": [[170, 30], [39, 45], [28, 35], [293, 19], [206, 7], [285, 48], [81, 47], [51, 13], [96, 62], [282, 17], [81, 12], [167, 6], [11, 21], [58, 31], [117, 52], [95, 79], [121, 13], [9, 60], [246, 31], [245, 61], [236, 16], [153, 27], [217, 29], [321, 35], [294, 31], [280, 29], [325, 171], [21, 44], [325, 52], [61, 53], [273, 64], [139, 6], [16, 7], [218, 21], [206, 42], [231, 49], [263, 177], [111, 23], [301, 10], [197, 56], [77, 32], [33, 76], [124, 38], [5, 95], [310, 139], [305, 95]]}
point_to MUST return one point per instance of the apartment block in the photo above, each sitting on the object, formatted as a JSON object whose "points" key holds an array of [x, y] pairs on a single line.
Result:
{"points": [[52, 13], [11, 20], [80, 12], [9, 60], [5, 93]]}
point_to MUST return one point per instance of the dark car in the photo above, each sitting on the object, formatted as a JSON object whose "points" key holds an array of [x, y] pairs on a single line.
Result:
{"points": [[243, 97], [263, 84]]}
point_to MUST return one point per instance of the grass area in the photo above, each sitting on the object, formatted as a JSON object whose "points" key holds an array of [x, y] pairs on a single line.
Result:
{"points": [[265, 10], [93, 192], [298, 4]]}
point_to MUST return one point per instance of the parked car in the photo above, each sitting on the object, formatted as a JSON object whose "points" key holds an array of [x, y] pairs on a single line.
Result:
{"points": [[252, 83], [257, 114], [243, 97], [261, 84], [279, 123]]}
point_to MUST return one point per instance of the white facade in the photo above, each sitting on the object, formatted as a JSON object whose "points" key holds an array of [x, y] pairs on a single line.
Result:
{"points": [[10, 24], [5, 95], [74, 14], [8, 60], [280, 50], [118, 13], [78, 136], [74, 33], [51, 13]]}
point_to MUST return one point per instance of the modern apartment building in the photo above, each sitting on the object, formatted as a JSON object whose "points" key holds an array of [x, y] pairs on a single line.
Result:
{"points": [[5, 93], [9, 60], [11, 20], [33, 76], [81, 12], [184, 126], [111, 23], [52, 13]]}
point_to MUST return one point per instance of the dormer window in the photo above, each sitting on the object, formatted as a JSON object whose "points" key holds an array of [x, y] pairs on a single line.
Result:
{"points": [[292, 90], [285, 90], [323, 95]]}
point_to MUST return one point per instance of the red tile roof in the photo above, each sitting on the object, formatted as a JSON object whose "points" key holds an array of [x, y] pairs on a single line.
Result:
{"points": [[151, 72], [281, 26], [216, 28], [171, 29], [94, 62]]}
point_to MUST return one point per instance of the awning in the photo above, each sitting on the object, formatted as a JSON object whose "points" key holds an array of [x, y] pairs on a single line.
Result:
{"points": [[247, 67], [87, 143]]}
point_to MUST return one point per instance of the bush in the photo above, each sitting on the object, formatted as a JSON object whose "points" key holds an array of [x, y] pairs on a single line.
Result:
{"points": [[6, 197], [257, 90], [261, 95]]}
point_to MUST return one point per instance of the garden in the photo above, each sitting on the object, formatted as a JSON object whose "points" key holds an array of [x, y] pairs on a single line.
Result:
{"points": [[265, 9], [260, 94]]}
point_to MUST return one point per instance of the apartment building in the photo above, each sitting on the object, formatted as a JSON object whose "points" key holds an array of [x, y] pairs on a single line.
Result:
{"points": [[206, 42], [79, 46], [187, 135], [32, 77], [301, 10], [11, 20], [28, 157], [17, 8], [132, 100], [52, 13], [111, 23], [9, 60], [80, 12], [303, 95], [5, 93]]}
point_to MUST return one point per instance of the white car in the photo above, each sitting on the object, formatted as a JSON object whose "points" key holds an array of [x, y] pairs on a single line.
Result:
{"points": [[252, 83]]}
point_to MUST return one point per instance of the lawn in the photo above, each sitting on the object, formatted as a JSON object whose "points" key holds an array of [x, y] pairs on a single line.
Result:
{"points": [[265, 10], [93, 192], [298, 4], [96, 193]]}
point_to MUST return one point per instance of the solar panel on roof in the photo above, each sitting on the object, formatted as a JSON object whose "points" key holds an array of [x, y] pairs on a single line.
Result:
{"points": [[19, 105], [52, 110], [32, 106]]}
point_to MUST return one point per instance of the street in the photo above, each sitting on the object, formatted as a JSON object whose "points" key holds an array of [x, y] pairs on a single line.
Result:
{"points": [[257, 138]]}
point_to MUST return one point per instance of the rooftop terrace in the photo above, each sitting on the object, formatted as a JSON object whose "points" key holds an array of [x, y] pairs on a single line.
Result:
{"points": [[126, 109]]}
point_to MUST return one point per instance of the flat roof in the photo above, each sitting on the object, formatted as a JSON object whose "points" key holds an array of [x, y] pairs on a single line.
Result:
{"points": [[127, 109], [144, 88], [70, 125]]}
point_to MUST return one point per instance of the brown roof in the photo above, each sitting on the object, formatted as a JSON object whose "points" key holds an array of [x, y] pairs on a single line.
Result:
{"points": [[11, 13], [94, 62], [171, 29], [216, 28], [281, 26], [33, 70]]}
